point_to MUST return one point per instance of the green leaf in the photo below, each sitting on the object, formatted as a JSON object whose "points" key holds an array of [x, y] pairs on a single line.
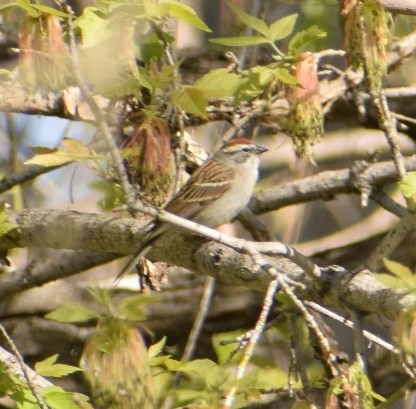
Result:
{"points": [[50, 10], [283, 74], [156, 349], [184, 13], [48, 160], [401, 278], [5, 224], [72, 150], [117, 88], [102, 296], [24, 399], [55, 158], [191, 100], [75, 147], [219, 83], [2, 70], [71, 312], [164, 78], [216, 377], [399, 270], [113, 195], [227, 350], [135, 10], [283, 27], [58, 398], [151, 46], [240, 41], [199, 367], [94, 29], [359, 377], [256, 81], [302, 39], [7, 383], [48, 367], [251, 21], [184, 397], [144, 78], [268, 378], [389, 281], [28, 7], [131, 308], [408, 185]]}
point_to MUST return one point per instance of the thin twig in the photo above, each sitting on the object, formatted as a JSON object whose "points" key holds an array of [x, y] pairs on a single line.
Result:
{"points": [[313, 326], [99, 115], [27, 174], [358, 341], [348, 323], [298, 361], [403, 118], [256, 8], [200, 318], [387, 203], [278, 282], [33, 388], [194, 335], [254, 339], [388, 124], [391, 241], [406, 361]]}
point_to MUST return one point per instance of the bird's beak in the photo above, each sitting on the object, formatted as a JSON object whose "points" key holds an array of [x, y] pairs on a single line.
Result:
{"points": [[260, 149]]}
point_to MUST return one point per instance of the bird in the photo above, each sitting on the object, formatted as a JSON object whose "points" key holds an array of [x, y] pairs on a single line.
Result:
{"points": [[216, 192]]}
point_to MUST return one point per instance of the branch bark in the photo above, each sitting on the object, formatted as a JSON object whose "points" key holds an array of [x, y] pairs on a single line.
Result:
{"points": [[326, 185], [335, 287]]}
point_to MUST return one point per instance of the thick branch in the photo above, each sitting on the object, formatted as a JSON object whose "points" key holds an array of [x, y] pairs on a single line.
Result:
{"points": [[336, 287], [63, 264], [326, 185], [28, 173]]}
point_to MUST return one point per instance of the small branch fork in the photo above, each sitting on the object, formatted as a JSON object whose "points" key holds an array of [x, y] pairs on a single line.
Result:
{"points": [[278, 282]]}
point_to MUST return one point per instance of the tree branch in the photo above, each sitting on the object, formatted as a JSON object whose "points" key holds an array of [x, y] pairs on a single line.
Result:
{"points": [[326, 185], [69, 103], [335, 287]]}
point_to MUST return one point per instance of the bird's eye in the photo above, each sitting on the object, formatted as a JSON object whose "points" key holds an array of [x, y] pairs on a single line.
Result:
{"points": [[246, 149]]}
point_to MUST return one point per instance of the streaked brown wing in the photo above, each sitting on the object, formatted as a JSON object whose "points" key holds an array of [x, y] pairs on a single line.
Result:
{"points": [[194, 194]]}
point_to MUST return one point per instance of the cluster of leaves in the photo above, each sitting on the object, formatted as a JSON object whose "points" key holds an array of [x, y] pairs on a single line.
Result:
{"points": [[110, 23], [71, 150], [253, 82], [55, 397], [74, 151], [203, 382]]}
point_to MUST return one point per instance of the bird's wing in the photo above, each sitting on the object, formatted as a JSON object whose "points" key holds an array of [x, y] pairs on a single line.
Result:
{"points": [[195, 193]]}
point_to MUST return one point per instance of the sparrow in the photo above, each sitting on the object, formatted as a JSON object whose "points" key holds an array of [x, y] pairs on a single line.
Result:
{"points": [[217, 191]]}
